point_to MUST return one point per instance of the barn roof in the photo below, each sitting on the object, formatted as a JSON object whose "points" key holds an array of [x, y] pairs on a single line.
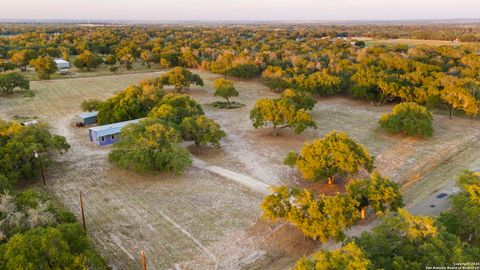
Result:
{"points": [[112, 128], [85, 115], [61, 61]]}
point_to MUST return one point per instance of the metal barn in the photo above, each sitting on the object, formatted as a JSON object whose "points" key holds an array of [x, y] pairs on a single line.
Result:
{"points": [[86, 118]]}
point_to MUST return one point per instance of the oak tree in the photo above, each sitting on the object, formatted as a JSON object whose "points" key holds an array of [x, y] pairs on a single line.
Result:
{"points": [[44, 66], [335, 154], [225, 89], [10, 81], [348, 257], [408, 118], [181, 79], [281, 113], [150, 146], [202, 130], [377, 192]]}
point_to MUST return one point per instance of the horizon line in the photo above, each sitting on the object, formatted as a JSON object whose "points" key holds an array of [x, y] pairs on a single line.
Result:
{"points": [[150, 21]]}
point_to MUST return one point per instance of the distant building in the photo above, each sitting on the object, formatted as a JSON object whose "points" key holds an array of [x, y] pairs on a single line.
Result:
{"points": [[29, 123], [108, 134], [62, 65], [86, 118]]}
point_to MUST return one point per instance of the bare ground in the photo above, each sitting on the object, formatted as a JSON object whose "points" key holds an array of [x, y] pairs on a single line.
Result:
{"points": [[205, 219]]}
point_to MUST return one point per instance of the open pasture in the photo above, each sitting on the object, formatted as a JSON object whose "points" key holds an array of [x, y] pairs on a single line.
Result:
{"points": [[201, 220]]}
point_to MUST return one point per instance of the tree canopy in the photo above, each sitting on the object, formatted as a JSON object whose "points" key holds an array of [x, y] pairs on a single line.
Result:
{"points": [[44, 66], [181, 79], [281, 113], [11, 81], [202, 130], [22, 58], [17, 146], [35, 233], [348, 257], [327, 217], [150, 146], [378, 192], [462, 218], [322, 218], [134, 102], [404, 241], [174, 108], [410, 119], [335, 154], [87, 61], [90, 105], [225, 89]]}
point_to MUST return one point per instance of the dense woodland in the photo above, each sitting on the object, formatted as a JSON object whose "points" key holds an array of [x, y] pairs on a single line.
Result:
{"points": [[305, 58]]}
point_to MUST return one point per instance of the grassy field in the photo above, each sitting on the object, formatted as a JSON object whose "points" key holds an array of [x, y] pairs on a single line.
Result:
{"points": [[200, 220], [102, 70]]}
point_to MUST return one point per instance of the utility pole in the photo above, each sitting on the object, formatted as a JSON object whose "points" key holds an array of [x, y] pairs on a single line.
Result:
{"points": [[83, 213], [144, 261], [37, 156]]}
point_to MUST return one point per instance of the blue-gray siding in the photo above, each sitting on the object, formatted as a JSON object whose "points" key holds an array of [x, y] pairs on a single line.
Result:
{"points": [[103, 140]]}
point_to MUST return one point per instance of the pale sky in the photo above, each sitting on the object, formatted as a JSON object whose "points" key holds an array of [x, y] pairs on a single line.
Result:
{"points": [[239, 9]]}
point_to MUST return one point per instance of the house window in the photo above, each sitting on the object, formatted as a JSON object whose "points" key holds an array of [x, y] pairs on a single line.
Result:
{"points": [[114, 136], [102, 138]]}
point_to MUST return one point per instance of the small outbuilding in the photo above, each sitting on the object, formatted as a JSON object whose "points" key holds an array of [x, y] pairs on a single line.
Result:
{"points": [[62, 65], [30, 123], [86, 118], [108, 134]]}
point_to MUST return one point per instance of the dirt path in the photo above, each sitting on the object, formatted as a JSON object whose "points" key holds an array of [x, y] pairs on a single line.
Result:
{"points": [[237, 177]]}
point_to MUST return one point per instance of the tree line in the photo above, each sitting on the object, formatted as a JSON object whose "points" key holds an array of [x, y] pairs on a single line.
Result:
{"points": [[290, 57]]}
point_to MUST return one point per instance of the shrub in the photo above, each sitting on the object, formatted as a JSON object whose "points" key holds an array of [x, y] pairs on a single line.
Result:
{"points": [[410, 119], [10, 81], [90, 104]]}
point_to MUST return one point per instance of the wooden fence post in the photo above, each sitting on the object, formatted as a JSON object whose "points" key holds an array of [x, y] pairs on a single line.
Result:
{"points": [[144, 261], [83, 213]]}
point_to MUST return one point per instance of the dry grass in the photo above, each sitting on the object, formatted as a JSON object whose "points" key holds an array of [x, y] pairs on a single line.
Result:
{"points": [[199, 220], [102, 70]]}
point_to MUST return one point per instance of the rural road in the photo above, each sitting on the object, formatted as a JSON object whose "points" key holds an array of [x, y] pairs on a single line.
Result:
{"points": [[435, 203]]}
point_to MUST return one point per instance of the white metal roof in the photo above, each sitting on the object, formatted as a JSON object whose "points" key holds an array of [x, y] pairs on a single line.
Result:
{"points": [[61, 61], [112, 128]]}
